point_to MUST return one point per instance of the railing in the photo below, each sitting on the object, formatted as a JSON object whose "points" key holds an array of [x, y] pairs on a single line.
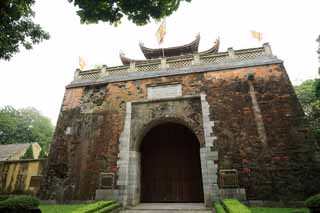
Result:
{"points": [[176, 62]]}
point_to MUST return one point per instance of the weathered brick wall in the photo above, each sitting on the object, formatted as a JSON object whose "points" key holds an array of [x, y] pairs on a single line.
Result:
{"points": [[265, 138]]}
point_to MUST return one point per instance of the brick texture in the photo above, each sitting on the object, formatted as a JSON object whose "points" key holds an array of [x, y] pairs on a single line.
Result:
{"points": [[282, 166]]}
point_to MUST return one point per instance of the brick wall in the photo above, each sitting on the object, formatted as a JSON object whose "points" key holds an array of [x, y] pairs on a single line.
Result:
{"points": [[258, 124]]}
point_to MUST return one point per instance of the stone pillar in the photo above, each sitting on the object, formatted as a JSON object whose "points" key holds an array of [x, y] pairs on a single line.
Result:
{"points": [[134, 178], [132, 67], [231, 53], [124, 158], [163, 64], [196, 59], [208, 156], [267, 49], [77, 74], [104, 71]]}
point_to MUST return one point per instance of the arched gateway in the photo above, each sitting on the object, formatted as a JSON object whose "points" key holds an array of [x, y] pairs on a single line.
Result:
{"points": [[166, 152], [170, 165]]}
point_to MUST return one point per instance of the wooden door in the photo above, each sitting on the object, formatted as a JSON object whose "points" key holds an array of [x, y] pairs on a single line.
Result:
{"points": [[170, 165]]}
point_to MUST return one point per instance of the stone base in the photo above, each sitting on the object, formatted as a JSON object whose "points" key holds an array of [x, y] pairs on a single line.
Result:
{"points": [[107, 194], [238, 193]]}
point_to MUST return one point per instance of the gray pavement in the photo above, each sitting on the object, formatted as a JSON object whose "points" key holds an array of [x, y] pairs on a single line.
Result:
{"points": [[168, 208]]}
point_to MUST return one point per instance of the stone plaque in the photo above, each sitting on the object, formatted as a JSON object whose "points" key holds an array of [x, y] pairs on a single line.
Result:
{"points": [[106, 181], [35, 181], [228, 178], [164, 91]]}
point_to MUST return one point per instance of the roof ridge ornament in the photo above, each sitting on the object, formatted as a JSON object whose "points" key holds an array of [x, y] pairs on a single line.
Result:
{"points": [[213, 49], [151, 53], [186, 49]]}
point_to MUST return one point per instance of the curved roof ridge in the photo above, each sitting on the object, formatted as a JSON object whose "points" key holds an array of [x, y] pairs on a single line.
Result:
{"points": [[191, 47], [213, 49]]}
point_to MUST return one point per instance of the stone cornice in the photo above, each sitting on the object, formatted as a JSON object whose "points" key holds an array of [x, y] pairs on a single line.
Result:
{"points": [[196, 68]]}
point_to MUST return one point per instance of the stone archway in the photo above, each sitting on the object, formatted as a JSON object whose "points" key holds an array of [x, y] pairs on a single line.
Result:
{"points": [[170, 165], [191, 112]]}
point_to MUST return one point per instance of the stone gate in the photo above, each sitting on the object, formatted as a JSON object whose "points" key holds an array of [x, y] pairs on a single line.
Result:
{"points": [[239, 104]]}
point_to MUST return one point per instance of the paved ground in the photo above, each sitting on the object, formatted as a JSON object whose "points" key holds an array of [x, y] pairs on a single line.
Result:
{"points": [[168, 207]]}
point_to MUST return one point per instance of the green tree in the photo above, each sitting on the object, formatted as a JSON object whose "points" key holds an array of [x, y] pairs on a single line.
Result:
{"points": [[28, 154], [139, 12], [17, 27], [25, 126], [309, 96], [318, 40], [318, 89], [43, 154]]}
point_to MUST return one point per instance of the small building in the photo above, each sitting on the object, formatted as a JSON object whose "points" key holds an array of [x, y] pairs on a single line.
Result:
{"points": [[183, 126], [19, 176]]}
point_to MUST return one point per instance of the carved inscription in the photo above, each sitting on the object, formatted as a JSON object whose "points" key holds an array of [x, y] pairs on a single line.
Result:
{"points": [[165, 91]]}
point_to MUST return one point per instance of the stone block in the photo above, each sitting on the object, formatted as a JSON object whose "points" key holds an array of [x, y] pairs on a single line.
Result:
{"points": [[105, 194]]}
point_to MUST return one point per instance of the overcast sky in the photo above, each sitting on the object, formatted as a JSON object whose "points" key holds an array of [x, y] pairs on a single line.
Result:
{"points": [[38, 77]]}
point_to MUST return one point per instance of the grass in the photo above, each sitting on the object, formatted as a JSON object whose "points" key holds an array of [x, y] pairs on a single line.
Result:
{"points": [[219, 208], [59, 208], [109, 208], [235, 206], [278, 210], [98, 207]]}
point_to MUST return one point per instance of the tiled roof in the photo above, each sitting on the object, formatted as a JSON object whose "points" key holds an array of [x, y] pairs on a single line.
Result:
{"points": [[8, 150]]}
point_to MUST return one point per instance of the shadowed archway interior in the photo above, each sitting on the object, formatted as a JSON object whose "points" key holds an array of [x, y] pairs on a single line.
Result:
{"points": [[170, 165]]}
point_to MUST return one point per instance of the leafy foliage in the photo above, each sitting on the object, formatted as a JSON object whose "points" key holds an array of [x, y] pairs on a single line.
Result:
{"points": [[313, 201], [318, 40], [235, 206], [317, 88], [309, 96], [139, 12], [20, 202], [24, 126], [28, 154], [3, 197], [17, 27], [109, 208], [57, 208], [279, 210], [219, 208], [103, 206], [43, 154]]}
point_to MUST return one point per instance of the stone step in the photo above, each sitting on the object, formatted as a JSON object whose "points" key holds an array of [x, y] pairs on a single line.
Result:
{"points": [[168, 208]]}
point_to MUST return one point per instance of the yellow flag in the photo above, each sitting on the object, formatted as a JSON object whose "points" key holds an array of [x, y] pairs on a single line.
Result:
{"points": [[161, 31], [256, 35], [82, 63]]}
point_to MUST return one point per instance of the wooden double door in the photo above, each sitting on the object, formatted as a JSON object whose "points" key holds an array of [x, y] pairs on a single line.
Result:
{"points": [[170, 165]]}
